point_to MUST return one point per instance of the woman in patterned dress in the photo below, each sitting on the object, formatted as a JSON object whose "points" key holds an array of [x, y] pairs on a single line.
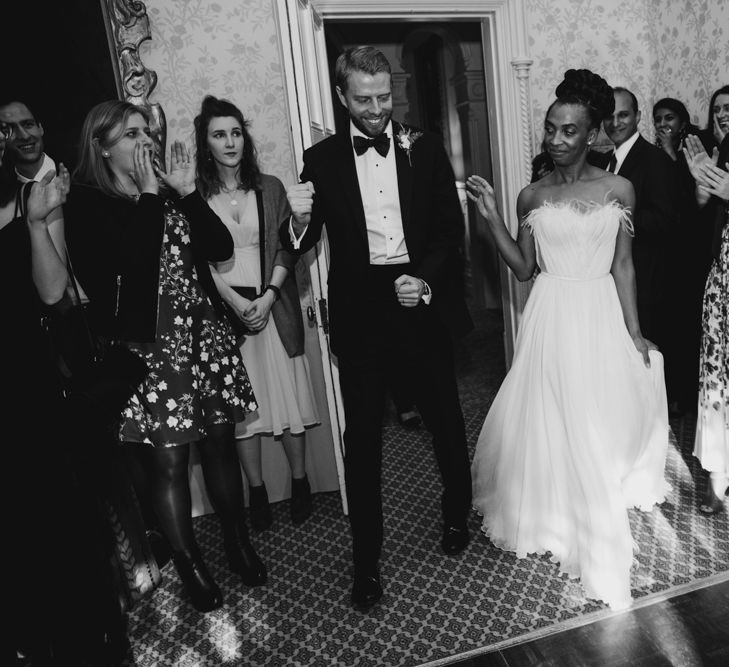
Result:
{"points": [[142, 258], [711, 173], [229, 178]]}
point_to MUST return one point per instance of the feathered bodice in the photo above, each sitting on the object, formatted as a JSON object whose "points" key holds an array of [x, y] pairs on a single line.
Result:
{"points": [[575, 240]]}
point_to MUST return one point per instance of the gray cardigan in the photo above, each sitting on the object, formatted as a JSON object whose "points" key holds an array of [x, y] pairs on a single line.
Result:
{"points": [[286, 311]]}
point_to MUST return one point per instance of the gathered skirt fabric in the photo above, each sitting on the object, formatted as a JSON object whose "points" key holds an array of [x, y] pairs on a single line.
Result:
{"points": [[282, 385]]}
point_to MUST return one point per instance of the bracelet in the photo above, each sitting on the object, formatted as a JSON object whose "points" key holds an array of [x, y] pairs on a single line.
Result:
{"points": [[276, 291]]}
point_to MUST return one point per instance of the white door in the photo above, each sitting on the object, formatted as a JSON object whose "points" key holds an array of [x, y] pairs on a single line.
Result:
{"points": [[306, 75]]}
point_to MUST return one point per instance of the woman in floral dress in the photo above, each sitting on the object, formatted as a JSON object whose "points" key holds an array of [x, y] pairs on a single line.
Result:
{"points": [[142, 258], [711, 446]]}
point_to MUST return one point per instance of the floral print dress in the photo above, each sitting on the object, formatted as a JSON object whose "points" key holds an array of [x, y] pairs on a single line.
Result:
{"points": [[712, 426], [196, 376]]}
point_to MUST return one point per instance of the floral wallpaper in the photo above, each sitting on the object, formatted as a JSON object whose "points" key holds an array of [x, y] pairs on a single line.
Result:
{"points": [[227, 48], [656, 48]]}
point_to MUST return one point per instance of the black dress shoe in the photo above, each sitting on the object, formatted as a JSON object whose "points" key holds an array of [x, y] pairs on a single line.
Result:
{"points": [[410, 419], [366, 590], [242, 558], [199, 584], [454, 540]]}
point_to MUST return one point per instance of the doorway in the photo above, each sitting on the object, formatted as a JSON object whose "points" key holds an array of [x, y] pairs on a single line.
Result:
{"points": [[435, 48]]}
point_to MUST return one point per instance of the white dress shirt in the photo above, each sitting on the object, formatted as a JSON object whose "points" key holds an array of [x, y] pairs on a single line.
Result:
{"points": [[46, 166], [377, 177], [621, 152]]}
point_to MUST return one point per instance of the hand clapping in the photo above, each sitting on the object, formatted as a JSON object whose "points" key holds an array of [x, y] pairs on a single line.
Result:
{"points": [[181, 176], [47, 194], [697, 157], [704, 169]]}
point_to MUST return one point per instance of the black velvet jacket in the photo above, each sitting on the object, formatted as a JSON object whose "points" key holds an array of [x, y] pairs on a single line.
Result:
{"points": [[115, 247]]}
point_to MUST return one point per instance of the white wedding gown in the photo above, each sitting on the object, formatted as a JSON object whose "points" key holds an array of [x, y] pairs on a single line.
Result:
{"points": [[579, 430]]}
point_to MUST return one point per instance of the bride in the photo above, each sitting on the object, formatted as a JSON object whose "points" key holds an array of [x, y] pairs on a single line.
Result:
{"points": [[578, 432]]}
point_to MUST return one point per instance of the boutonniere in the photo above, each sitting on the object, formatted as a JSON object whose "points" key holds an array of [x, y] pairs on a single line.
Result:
{"points": [[406, 137]]}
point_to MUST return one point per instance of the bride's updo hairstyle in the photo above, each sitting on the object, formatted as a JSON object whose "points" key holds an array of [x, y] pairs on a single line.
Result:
{"points": [[583, 87]]}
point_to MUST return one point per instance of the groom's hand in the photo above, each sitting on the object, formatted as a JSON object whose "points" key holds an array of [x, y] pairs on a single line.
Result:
{"points": [[301, 200], [409, 290]]}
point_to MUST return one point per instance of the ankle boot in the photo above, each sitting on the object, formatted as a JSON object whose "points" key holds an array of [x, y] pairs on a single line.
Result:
{"points": [[199, 584], [259, 507], [300, 499], [242, 558]]}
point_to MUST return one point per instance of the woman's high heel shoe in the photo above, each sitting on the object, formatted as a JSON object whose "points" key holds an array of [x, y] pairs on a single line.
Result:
{"points": [[711, 503], [242, 558], [198, 582]]}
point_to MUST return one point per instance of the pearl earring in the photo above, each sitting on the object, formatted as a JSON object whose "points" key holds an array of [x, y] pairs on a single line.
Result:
{"points": [[105, 153]]}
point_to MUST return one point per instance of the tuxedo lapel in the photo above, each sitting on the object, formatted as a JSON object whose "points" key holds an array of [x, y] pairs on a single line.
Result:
{"points": [[347, 173], [404, 179]]}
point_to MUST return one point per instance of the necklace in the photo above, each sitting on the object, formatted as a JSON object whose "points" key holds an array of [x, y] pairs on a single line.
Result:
{"points": [[233, 200]]}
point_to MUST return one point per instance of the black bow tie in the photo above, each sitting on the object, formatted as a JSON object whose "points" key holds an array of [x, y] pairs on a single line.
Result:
{"points": [[381, 144]]}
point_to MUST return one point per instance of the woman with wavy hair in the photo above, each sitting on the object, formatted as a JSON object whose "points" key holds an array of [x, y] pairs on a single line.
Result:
{"points": [[259, 285], [578, 432], [140, 240]]}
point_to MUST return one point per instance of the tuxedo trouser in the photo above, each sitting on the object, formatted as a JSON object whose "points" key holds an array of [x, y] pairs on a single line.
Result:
{"points": [[414, 342]]}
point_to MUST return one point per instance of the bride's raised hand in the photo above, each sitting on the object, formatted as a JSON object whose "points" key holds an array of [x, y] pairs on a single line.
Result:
{"points": [[644, 346], [482, 194], [181, 176]]}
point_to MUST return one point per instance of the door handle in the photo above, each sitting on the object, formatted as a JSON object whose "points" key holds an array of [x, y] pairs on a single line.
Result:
{"points": [[324, 315]]}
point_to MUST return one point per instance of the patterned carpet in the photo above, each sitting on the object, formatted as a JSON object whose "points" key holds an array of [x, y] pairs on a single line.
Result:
{"points": [[434, 607]]}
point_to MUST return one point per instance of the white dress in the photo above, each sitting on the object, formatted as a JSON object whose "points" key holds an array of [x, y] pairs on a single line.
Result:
{"points": [[579, 430], [281, 384]]}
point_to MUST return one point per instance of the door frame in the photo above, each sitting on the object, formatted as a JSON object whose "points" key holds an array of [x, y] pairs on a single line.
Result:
{"points": [[506, 70]]}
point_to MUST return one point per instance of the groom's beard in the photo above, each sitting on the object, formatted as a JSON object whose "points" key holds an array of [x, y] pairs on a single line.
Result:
{"points": [[367, 129]]}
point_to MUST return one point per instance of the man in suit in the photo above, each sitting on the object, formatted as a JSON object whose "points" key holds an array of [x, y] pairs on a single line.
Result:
{"points": [[655, 218], [394, 224], [27, 153]]}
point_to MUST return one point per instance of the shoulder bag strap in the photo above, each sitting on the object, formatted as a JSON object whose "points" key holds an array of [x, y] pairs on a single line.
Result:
{"points": [[261, 237], [94, 344]]}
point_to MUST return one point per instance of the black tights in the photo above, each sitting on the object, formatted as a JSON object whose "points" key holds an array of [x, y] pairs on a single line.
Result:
{"points": [[161, 478]]}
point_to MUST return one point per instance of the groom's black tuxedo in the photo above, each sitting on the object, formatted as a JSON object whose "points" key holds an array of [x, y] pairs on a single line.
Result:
{"points": [[373, 335], [656, 220], [432, 222]]}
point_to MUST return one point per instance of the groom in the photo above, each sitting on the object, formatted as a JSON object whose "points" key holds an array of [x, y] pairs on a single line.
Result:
{"points": [[387, 195]]}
